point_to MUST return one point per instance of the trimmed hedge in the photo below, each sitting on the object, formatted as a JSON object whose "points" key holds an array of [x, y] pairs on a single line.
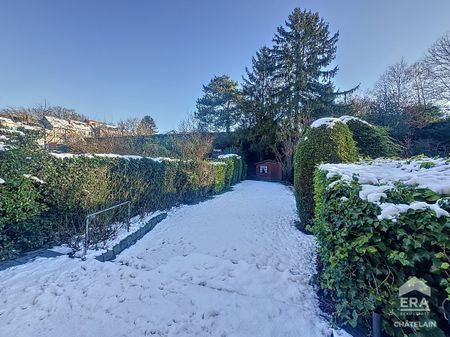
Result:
{"points": [[326, 143], [371, 141], [33, 213], [365, 260]]}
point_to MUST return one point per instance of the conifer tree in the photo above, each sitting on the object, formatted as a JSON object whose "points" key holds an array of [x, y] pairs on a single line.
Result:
{"points": [[257, 106], [303, 50], [147, 126], [217, 108], [258, 87]]}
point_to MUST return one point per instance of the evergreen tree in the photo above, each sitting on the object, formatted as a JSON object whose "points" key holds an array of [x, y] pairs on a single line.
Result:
{"points": [[147, 126], [257, 106], [258, 87], [217, 108], [303, 52]]}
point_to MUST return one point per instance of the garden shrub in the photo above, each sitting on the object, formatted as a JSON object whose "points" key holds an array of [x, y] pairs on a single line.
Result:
{"points": [[21, 227], [50, 204], [234, 170], [330, 143], [371, 141], [365, 258], [220, 173]]}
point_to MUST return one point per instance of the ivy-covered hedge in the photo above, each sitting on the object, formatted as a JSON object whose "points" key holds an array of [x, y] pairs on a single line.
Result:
{"points": [[365, 258], [327, 143], [44, 199]]}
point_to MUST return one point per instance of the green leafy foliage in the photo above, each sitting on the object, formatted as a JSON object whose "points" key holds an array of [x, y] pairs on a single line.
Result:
{"points": [[433, 139], [217, 108], [319, 145], [52, 208], [427, 164], [365, 260], [372, 141]]}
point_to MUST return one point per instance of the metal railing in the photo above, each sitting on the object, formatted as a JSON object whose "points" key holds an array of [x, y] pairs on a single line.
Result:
{"points": [[91, 216]]}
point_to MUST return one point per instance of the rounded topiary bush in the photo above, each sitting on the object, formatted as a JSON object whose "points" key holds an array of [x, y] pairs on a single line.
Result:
{"points": [[371, 141], [329, 140]]}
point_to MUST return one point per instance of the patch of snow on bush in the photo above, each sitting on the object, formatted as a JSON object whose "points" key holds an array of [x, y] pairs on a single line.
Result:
{"points": [[63, 155], [230, 155], [133, 157], [161, 159], [329, 122], [373, 193], [218, 163], [113, 155], [29, 176], [12, 130], [346, 119], [378, 176]]}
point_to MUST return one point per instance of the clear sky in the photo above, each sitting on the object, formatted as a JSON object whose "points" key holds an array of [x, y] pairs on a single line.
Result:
{"points": [[113, 59]]}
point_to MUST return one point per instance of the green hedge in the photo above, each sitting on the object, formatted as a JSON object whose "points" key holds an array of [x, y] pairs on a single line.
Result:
{"points": [[323, 144], [235, 168], [371, 141], [33, 214], [365, 260]]}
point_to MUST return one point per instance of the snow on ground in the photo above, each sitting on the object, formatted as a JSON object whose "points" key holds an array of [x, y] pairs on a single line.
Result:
{"points": [[378, 176], [121, 232], [231, 266]]}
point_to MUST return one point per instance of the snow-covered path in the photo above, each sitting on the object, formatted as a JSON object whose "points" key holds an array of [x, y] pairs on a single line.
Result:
{"points": [[231, 266]]}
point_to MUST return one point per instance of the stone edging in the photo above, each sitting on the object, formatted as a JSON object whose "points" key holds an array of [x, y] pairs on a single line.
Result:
{"points": [[131, 239]]}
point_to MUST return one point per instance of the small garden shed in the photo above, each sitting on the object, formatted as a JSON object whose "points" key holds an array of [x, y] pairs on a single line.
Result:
{"points": [[268, 170]]}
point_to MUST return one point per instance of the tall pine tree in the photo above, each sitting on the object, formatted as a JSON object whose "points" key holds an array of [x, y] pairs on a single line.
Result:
{"points": [[303, 51], [258, 108], [258, 88], [217, 108]]}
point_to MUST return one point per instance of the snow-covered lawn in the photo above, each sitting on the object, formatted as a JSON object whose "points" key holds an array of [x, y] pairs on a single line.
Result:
{"points": [[231, 266]]}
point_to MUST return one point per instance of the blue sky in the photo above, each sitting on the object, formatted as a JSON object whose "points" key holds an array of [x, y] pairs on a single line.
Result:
{"points": [[113, 59]]}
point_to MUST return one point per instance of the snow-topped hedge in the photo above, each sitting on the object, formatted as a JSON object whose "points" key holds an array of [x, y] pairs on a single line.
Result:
{"points": [[328, 140], [378, 223], [45, 197], [372, 141]]}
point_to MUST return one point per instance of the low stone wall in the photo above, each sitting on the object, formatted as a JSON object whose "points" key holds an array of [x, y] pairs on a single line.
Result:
{"points": [[131, 239]]}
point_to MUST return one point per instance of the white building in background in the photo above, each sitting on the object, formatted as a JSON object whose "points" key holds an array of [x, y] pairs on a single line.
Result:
{"points": [[8, 123], [59, 131]]}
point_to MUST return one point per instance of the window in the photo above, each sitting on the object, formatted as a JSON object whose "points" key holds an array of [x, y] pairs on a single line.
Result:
{"points": [[263, 169]]}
